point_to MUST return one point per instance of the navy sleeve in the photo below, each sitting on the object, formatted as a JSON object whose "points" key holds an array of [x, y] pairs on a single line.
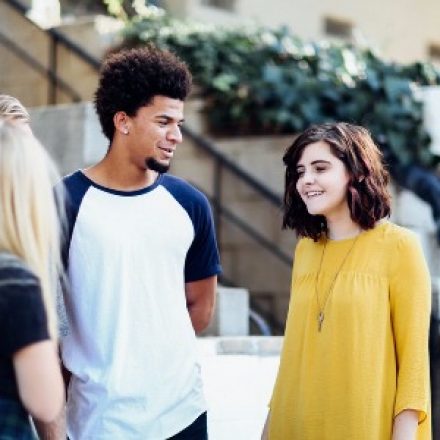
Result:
{"points": [[23, 319], [75, 187], [202, 259]]}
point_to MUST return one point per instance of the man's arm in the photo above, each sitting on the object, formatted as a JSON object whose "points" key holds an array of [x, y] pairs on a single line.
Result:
{"points": [[55, 430], [200, 301]]}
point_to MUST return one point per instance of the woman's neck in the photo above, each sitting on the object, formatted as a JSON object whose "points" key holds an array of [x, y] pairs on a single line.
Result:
{"points": [[342, 229]]}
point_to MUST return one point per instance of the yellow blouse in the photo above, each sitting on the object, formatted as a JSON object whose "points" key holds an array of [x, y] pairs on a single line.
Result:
{"points": [[370, 360]]}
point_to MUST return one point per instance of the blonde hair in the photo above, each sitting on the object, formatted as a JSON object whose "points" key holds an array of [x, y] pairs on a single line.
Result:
{"points": [[29, 218], [12, 108]]}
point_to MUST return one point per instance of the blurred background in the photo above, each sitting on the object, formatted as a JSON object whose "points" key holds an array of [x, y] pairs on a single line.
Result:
{"points": [[263, 71]]}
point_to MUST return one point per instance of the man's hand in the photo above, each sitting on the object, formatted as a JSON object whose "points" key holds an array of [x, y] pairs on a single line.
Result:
{"points": [[200, 300]]}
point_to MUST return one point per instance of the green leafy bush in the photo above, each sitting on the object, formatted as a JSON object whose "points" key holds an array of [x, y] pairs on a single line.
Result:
{"points": [[262, 81]]}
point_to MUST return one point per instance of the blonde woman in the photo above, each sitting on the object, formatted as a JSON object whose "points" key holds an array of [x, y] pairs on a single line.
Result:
{"points": [[30, 377], [12, 109]]}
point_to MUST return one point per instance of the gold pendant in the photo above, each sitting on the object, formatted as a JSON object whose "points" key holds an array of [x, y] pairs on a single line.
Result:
{"points": [[320, 320]]}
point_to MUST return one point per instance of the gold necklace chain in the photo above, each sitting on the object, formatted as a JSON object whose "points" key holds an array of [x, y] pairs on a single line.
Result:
{"points": [[321, 316]]}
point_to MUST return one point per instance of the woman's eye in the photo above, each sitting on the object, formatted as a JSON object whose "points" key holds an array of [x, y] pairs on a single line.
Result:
{"points": [[299, 173], [320, 169]]}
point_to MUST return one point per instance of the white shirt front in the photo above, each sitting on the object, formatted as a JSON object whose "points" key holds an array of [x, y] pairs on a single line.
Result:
{"points": [[131, 346]]}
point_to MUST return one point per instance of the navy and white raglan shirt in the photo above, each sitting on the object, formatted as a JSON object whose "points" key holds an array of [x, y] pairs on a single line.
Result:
{"points": [[131, 347]]}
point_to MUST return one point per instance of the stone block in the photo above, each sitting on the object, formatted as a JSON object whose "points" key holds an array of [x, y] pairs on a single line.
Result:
{"points": [[413, 212], [94, 33], [256, 269], [231, 315], [71, 133], [251, 346], [259, 156]]}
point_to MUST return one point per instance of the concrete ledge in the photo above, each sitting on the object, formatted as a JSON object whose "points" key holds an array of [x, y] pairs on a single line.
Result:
{"points": [[238, 378], [251, 346], [231, 314]]}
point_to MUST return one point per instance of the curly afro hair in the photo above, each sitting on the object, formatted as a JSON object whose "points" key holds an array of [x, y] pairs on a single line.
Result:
{"points": [[130, 79]]}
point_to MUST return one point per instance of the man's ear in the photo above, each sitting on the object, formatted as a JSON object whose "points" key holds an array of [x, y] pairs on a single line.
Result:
{"points": [[121, 121]]}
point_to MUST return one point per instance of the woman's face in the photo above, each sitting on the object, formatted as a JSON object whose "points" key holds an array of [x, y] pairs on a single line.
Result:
{"points": [[322, 182]]}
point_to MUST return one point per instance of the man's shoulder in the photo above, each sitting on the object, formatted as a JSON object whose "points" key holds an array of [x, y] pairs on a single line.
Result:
{"points": [[74, 185], [73, 180], [182, 190]]}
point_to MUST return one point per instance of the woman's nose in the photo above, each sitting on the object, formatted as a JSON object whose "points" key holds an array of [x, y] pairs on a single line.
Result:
{"points": [[308, 177]]}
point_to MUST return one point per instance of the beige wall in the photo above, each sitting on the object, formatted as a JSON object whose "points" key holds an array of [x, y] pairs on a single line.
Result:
{"points": [[400, 29], [19, 78]]}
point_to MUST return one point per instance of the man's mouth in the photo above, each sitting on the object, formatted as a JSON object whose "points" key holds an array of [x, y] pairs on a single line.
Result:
{"points": [[167, 151]]}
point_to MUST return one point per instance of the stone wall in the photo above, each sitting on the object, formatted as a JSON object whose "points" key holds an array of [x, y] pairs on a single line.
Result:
{"points": [[73, 136], [306, 18], [29, 83]]}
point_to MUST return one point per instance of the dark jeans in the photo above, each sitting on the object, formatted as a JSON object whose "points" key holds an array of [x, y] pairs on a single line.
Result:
{"points": [[198, 430]]}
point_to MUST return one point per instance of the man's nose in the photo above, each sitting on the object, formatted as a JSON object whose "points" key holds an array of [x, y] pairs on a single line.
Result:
{"points": [[175, 134]]}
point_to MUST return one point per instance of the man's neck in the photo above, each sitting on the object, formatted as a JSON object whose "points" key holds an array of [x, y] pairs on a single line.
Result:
{"points": [[108, 174]]}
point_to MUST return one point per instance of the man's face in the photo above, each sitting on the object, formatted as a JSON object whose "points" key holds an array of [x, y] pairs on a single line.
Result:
{"points": [[154, 133]]}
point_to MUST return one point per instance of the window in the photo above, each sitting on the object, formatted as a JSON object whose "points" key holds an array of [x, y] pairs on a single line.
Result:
{"points": [[228, 5], [336, 27]]}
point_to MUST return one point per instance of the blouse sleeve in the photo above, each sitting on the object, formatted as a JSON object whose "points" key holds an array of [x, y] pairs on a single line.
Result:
{"points": [[22, 316], [279, 383], [410, 302]]}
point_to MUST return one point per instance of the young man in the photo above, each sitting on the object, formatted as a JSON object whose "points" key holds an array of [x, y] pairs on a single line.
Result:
{"points": [[142, 262]]}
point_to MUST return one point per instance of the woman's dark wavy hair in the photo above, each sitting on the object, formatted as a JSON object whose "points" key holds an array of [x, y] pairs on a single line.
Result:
{"points": [[129, 79], [367, 194]]}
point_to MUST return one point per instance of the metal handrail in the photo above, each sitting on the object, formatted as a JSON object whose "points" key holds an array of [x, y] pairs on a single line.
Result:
{"points": [[266, 324], [221, 159], [253, 233], [199, 141], [39, 67], [58, 36], [210, 148]]}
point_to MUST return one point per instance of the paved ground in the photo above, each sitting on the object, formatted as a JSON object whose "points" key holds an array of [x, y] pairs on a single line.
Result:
{"points": [[238, 376]]}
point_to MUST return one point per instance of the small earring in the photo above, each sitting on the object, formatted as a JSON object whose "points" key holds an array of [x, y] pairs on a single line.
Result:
{"points": [[126, 131]]}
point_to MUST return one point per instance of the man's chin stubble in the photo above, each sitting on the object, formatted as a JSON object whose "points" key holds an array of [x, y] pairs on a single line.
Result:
{"points": [[154, 165]]}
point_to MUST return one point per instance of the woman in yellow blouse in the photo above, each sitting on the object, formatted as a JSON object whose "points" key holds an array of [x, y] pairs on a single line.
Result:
{"points": [[354, 365]]}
